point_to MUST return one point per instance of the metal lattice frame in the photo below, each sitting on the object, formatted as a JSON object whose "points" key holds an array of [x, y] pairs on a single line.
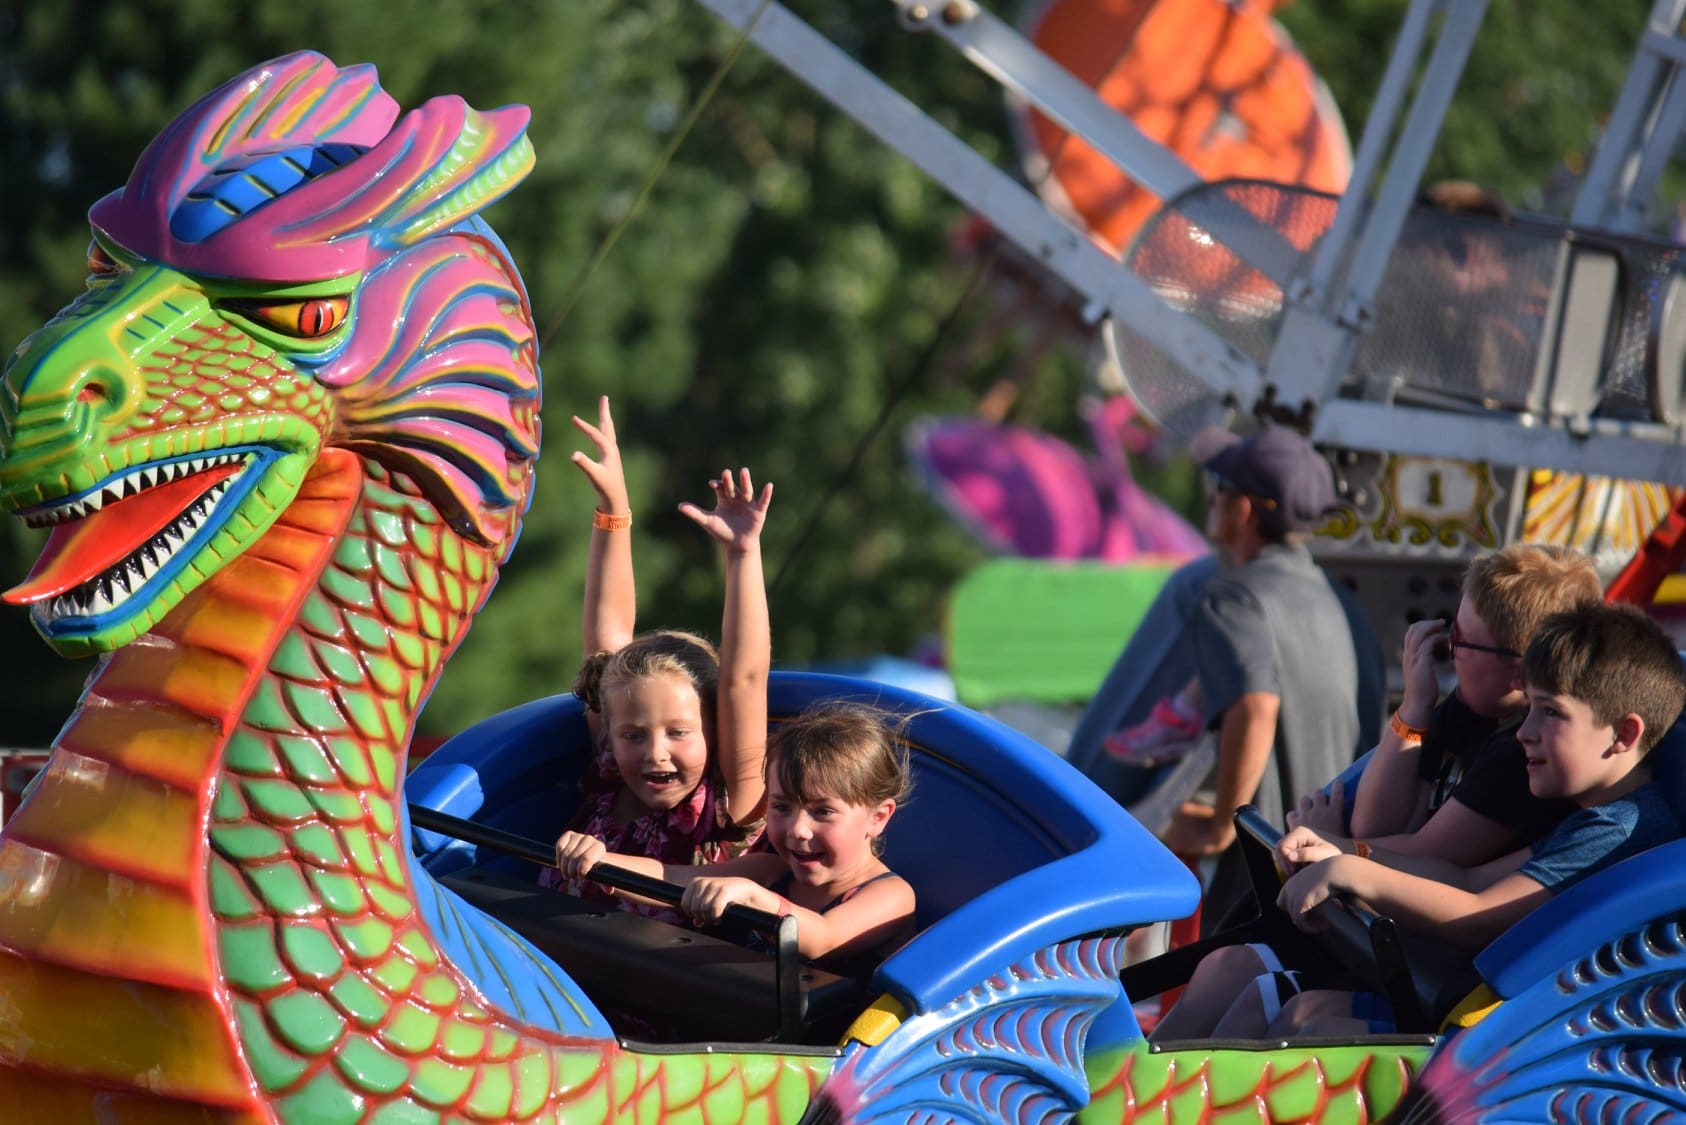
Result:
{"points": [[1330, 303]]}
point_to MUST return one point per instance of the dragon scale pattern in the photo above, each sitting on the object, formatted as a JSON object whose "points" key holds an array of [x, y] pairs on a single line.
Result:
{"points": [[346, 1009], [284, 440], [1355, 1084]]}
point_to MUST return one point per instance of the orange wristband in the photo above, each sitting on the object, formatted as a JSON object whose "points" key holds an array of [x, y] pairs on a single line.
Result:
{"points": [[1404, 730], [1361, 849], [786, 907], [603, 521]]}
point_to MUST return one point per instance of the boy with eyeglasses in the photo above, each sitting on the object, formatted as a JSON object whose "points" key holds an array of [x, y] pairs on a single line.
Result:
{"points": [[1449, 779], [1603, 684]]}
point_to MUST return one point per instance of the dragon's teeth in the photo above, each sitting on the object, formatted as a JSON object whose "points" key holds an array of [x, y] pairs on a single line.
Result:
{"points": [[124, 579]]}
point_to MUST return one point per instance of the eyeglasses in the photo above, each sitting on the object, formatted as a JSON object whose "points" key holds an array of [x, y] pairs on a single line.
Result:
{"points": [[1457, 641]]}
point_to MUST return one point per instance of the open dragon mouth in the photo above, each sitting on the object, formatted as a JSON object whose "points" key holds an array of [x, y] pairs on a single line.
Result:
{"points": [[107, 543]]}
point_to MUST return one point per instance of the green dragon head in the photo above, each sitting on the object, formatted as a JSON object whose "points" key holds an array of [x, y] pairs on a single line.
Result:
{"points": [[286, 269]]}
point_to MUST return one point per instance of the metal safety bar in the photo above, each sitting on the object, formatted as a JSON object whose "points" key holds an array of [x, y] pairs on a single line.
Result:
{"points": [[781, 929], [1364, 941]]}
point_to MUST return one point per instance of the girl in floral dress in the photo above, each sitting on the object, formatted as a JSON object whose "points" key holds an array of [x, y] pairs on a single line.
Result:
{"points": [[680, 730]]}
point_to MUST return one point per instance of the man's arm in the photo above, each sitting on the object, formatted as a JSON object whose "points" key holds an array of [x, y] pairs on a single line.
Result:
{"points": [[1245, 737], [1234, 656]]}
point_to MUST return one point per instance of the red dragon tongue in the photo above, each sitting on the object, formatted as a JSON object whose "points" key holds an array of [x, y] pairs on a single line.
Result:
{"points": [[81, 549]]}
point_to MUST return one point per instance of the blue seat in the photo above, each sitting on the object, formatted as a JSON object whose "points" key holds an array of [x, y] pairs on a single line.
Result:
{"points": [[1571, 923], [1616, 899], [1009, 849]]}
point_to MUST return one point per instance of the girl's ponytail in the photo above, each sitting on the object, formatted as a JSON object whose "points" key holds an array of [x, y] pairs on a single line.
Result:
{"points": [[588, 683]]}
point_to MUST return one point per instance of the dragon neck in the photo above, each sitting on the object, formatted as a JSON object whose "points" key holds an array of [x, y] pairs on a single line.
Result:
{"points": [[118, 817], [256, 806], [364, 634]]}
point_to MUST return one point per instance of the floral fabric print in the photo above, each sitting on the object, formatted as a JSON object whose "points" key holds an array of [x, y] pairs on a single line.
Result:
{"points": [[697, 833]]}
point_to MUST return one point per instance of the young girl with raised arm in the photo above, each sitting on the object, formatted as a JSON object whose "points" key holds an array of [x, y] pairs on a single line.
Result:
{"points": [[835, 775], [680, 731]]}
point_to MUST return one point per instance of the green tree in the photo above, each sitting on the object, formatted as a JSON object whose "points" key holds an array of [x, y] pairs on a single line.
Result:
{"points": [[778, 290]]}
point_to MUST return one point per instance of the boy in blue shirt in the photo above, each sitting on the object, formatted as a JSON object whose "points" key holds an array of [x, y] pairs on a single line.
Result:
{"points": [[1603, 684], [1461, 794]]}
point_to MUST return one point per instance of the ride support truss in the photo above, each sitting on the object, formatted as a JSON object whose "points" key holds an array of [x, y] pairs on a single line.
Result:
{"points": [[1593, 380]]}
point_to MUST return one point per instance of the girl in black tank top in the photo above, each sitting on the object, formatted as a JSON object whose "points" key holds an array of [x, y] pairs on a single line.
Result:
{"points": [[835, 776]]}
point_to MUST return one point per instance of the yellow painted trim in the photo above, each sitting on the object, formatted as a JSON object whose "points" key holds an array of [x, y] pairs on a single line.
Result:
{"points": [[875, 1024], [1472, 1009], [1672, 591]]}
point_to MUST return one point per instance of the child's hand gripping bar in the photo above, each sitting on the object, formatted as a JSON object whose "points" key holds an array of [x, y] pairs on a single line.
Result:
{"points": [[781, 930]]}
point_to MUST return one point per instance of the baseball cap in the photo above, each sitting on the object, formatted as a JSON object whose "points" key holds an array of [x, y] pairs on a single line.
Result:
{"points": [[1275, 464]]}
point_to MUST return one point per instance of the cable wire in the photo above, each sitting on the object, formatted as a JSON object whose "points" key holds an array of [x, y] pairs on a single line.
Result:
{"points": [[656, 172]]}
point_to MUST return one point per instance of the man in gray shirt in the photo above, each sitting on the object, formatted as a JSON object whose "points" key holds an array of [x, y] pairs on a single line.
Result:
{"points": [[1274, 654]]}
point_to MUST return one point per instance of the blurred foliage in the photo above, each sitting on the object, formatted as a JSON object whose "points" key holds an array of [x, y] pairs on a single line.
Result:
{"points": [[779, 289]]}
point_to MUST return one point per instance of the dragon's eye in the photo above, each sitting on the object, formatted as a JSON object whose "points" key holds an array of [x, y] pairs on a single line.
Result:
{"points": [[100, 263], [307, 319]]}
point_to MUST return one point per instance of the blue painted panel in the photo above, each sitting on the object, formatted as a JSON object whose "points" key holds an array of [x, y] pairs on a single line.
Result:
{"points": [[1009, 848], [1621, 897], [508, 971]]}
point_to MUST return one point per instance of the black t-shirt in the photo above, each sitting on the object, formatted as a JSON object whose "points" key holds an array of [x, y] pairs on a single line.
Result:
{"points": [[1478, 760]]}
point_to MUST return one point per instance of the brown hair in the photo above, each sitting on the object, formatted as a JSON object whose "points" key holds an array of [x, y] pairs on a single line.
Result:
{"points": [[663, 652], [588, 681], [1463, 197], [1614, 659], [848, 749], [1516, 588]]}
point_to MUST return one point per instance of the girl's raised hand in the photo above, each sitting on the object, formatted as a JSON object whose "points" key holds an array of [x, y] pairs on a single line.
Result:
{"points": [[738, 513], [605, 473], [577, 853]]}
